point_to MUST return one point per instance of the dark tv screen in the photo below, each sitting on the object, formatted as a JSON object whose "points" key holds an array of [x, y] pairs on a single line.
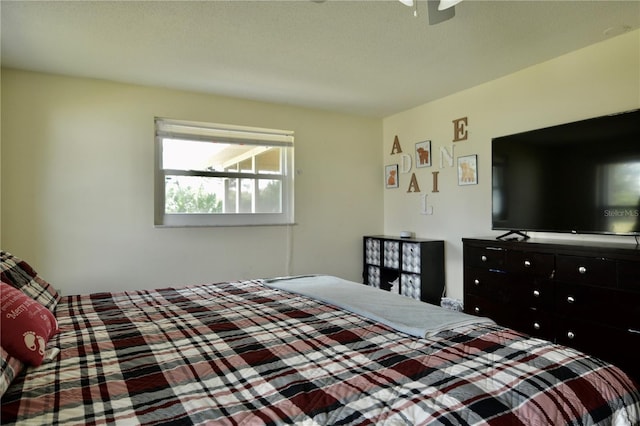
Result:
{"points": [[580, 177]]}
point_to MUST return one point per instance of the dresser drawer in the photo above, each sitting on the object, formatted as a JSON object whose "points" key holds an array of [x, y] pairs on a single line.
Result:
{"points": [[537, 323], [487, 283], [585, 302], [485, 257], [626, 312], [586, 270], [593, 338], [629, 275], [483, 307], [623, 356], [533, 292], [610, 344], [530, 263]]}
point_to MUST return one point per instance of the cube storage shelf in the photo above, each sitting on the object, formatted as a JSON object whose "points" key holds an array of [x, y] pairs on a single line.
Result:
{"points": [[409, 266]]}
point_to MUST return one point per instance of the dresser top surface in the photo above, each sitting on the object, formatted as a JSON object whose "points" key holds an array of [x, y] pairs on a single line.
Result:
{"points": [[398, 238], [559, 246]]}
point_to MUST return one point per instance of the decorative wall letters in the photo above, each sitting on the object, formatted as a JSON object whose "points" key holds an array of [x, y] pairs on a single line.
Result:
{"points": [[413, 185], [460, 129], [395, 149], [435, 182], [467, 171], [445, 155], [406, 163], [426, 209]]}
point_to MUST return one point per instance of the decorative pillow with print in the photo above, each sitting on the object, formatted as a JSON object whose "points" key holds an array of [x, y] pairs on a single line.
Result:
{"points": [[21, 275], [26, 325]]}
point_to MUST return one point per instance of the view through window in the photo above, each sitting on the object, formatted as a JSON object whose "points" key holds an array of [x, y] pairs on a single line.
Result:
{"points": [[210, 174], [620, 195]]}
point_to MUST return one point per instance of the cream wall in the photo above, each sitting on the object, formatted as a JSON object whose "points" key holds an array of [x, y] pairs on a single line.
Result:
{"points": [[601, 79], [77, 188], [95, 232]]}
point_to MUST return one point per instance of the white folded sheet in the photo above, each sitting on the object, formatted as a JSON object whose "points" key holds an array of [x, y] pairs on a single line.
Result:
{"points": [[402, 313]]}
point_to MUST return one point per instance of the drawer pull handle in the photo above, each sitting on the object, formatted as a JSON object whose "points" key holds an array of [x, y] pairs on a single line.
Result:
{"points": [[536, 326], [571, 299], [476, 310], [571, 335], [483, 258], [536, 293], [527, 264], [476, 281], [582, 269]]}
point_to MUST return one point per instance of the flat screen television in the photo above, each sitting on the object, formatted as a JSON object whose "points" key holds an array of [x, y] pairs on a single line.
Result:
{"points": [[581, 177]]}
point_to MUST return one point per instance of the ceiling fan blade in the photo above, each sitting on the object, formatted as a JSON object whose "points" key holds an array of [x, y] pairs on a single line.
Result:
{"points": [[436, 15], [446, 4]]}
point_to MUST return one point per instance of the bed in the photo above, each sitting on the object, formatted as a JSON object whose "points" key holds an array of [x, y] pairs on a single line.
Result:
{"points": [[262, 352]]}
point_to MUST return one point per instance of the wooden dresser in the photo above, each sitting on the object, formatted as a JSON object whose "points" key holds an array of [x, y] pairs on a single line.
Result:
{"points": [[580, 294]]}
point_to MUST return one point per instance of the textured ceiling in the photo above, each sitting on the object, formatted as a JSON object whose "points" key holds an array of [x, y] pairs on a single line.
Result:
{"points": [[364, 57]]}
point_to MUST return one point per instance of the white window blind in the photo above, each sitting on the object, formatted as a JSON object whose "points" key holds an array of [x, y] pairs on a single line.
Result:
{"points": [[222, 175]]}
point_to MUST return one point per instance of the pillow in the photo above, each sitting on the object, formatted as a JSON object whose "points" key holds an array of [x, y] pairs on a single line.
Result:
{"points": [[25, 327], [10, 367], [22, 276]]}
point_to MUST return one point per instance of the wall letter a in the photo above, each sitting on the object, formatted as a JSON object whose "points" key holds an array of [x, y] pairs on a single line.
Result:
{"points": [[396, 146], [413, 185]]}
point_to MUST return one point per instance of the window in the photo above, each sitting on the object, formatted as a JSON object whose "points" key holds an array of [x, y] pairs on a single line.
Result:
{"points": [[220, 175]]}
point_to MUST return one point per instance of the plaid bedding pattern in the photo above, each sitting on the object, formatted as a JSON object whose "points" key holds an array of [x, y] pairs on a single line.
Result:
{"points": [[242, 353], [10, 367]]}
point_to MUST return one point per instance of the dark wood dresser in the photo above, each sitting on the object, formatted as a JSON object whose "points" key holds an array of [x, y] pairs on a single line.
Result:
{"points": [[581, 294]]}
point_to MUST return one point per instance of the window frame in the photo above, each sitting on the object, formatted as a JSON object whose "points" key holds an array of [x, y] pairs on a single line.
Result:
{"points": [[165, 128]]}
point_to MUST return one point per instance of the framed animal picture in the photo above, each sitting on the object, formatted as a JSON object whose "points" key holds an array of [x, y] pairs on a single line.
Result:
{"points": [[468, 170], [391, 176], [423, 154]]}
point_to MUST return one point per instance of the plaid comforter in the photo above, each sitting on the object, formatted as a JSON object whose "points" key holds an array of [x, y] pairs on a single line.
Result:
{"points": [[242, 353]]}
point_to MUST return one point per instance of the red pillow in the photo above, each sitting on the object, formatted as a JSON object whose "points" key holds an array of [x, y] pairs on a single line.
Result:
{"points": [[25, 326]]}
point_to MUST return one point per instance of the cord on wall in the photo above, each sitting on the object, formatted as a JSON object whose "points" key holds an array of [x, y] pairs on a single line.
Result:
{"points": [[289, 250]]}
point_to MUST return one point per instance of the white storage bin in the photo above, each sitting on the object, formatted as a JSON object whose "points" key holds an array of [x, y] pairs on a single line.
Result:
{"points": [[373, 275], [410, 285], [392, 254], [411, 257], [372, 251]]}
